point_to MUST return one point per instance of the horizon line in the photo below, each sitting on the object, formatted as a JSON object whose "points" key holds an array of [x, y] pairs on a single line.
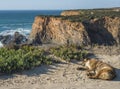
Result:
{"points": [[59, 9]]}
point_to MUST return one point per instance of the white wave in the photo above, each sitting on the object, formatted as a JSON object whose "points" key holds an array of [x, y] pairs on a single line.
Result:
{"points": [[1, 45], [22, 31]]}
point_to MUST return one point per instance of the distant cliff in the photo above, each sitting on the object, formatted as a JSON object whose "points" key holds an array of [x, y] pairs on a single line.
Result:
{"points": [[90, 11], [70, 13]]}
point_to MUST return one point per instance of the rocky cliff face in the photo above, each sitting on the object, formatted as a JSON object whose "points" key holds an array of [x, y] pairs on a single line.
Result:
{"points": [[58, 31], [105, 30]]}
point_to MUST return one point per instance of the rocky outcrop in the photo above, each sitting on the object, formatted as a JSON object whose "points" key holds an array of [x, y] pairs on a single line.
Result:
{"points": [[104, 31], [17, 38], [15, 41], [57, 31]]}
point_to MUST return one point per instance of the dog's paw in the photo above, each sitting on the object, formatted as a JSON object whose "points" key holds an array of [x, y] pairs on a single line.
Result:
{"points": [[89, 77], [92, 77], [89, 74]]}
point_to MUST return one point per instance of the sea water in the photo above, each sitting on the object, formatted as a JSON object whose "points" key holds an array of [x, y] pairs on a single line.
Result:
{"points": [[20, 21]]}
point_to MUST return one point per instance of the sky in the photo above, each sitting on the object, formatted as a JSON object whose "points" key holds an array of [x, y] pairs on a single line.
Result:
{"points": [[56, 4]]}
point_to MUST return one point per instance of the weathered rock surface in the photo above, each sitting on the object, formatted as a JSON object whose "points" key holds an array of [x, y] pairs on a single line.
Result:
{"points": [[57, 31], [104, 31]]}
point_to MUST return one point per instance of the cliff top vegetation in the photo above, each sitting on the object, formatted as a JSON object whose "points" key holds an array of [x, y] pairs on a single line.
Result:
{"points": [[88, 14]]}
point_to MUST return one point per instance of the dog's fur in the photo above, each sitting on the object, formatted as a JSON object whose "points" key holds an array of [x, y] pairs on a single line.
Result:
{"points": [[97, 69]]}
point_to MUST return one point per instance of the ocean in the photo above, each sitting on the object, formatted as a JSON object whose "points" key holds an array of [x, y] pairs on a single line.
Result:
{"points": [[20, 21]]}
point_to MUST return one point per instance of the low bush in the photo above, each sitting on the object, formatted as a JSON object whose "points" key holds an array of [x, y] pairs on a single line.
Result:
{"points": [[69, 53], [27, 57], [12, 60]]}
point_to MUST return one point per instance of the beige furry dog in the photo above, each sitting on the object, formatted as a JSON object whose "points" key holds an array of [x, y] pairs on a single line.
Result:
{"points": [[97, 69]]}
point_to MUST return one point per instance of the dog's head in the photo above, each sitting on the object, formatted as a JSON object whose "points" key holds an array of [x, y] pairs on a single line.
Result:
{"points": [[85, 61]]}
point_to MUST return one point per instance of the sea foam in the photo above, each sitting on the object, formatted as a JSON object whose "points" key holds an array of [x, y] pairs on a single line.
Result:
{"points": [[1, 45], [10, 33], [22, 31]]}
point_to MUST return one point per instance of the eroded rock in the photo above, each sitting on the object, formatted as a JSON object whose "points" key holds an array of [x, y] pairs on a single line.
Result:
{"points": [[105, 30], [58, 31]]}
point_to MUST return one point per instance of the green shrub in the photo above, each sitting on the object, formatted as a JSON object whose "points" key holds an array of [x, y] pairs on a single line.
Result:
{"points": [[68, 53], [26, 58], [12, 60]]}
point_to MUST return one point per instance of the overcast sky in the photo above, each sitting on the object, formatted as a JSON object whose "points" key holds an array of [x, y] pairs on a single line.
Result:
{"points": [[56, 4]]}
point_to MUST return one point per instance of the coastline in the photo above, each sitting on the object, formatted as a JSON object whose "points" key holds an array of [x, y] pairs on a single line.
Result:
{"points": [[46, 31]]}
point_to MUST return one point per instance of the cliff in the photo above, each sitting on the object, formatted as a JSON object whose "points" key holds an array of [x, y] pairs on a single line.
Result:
{"points": [[58, 31], [105, 30]]}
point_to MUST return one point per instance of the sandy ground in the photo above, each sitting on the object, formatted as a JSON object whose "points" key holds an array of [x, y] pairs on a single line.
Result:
{"points": [[61, 76]]}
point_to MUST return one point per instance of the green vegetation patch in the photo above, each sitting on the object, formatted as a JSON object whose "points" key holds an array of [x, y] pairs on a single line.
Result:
{"points": [[69, 52], [26, 58], [91, 14]]}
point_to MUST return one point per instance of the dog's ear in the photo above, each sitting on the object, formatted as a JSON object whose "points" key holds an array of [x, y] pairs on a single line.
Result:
{"points": [[85, 59]]}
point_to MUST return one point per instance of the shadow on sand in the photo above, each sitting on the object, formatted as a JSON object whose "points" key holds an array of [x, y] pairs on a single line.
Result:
{"points": [[43, 69]]}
